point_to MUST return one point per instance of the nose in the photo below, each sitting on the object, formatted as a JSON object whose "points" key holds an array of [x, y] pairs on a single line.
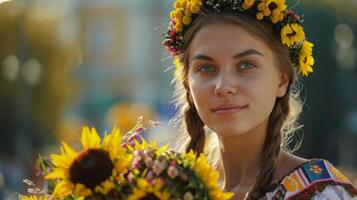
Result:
{"points": [[226, 84]]}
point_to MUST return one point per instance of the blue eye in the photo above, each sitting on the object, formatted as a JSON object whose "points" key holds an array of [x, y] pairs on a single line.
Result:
{"points": [[207, 69]]}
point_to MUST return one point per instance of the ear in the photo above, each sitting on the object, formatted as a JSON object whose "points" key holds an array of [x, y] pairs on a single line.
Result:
{"points": [[283, 85]]}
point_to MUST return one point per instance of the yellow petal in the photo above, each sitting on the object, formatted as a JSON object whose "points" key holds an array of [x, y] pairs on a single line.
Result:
{"points": [[82, 190], [90, 138], [85, 138], [285, 31], [95, 138], [61, 161], [57, 174], [142, 183], [70, 153], [63, 189]]}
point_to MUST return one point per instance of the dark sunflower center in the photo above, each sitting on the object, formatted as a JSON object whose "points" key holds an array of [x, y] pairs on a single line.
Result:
{"points": [[272, 6], [150, 196], [305, 60], [91, 167], [291, 34]]}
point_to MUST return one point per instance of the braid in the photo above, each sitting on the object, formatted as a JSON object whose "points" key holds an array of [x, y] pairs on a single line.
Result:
{"points": [[194, 126], [271, 148]]}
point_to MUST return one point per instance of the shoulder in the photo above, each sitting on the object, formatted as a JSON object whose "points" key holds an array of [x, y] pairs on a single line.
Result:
{"points": [[313, 179], [286, 163]]}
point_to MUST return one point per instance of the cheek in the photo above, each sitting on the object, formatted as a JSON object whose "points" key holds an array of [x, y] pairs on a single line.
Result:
{"points": [[264, 97], [200, 93]]}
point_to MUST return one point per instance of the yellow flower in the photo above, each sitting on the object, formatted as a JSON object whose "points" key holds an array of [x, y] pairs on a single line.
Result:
{"points": [[247, 4], [292, 34], [281, 16], [275, 18], [261, 6], [145, 190], [188, 158], [267, 12], [260, 16], [187, 10], [272, 8], [33, 197], [177, 5], [210, 177], [306, 61], [281, 5], [75, 171], [278, 5], [178, 14], [178, 26], [195, 8], [186, 20], [183, 3], [277, 13], [172, 14]]}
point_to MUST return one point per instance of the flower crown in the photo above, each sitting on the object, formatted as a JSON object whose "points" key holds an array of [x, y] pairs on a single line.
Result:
{"points": [[284, 21]]}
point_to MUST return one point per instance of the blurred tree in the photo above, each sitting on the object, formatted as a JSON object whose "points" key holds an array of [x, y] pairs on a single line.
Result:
{"points": [[344, 8], [35, 61]]}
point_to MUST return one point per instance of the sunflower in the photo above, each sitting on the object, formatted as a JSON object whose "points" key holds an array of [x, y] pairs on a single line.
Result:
{"points": [[292, 34], [75, 170], [149, 190], [277, 8], [273, 8], [306, 61], [210, 177]]}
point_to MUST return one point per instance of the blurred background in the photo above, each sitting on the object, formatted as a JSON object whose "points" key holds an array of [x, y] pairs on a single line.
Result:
{"points": [[68, 63]]}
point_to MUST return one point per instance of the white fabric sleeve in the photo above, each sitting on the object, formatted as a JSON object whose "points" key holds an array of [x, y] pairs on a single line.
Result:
{"points": [[335, 192]]}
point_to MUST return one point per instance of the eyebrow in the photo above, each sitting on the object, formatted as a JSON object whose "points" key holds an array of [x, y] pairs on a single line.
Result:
{"points": [[238, 55]]}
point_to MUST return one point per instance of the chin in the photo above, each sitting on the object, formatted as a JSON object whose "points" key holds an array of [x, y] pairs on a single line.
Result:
{"points": [[229, 131]]}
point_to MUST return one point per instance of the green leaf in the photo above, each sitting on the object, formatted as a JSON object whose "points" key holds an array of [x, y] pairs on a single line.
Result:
{"points": [[44, 164]]}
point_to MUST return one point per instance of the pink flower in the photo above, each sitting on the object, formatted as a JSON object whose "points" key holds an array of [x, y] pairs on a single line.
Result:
{"points": [[158, 167], [131, 177], [150, 175], [148, 161], [172, 172]]}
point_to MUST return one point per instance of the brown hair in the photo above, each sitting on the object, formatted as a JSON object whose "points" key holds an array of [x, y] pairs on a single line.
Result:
{"points": [[282, 120]]}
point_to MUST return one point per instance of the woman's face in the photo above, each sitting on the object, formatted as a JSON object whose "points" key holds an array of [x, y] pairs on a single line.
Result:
{"points": [[233, 79]]}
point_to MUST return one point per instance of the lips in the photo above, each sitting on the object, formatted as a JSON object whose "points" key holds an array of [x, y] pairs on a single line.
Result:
{"points": [[227, 109]]}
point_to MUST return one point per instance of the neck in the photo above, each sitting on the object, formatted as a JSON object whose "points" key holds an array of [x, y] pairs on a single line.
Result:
{"points": [[241, 155]]}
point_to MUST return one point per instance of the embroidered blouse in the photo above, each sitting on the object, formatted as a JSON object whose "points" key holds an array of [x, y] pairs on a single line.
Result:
{"points": [[315, 179]]}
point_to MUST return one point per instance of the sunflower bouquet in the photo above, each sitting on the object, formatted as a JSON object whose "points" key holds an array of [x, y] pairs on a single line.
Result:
{"points": [[118, 167], [160, 173]]}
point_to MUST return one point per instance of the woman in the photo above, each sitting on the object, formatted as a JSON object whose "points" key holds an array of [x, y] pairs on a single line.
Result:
{"points": [[237, 64]]}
